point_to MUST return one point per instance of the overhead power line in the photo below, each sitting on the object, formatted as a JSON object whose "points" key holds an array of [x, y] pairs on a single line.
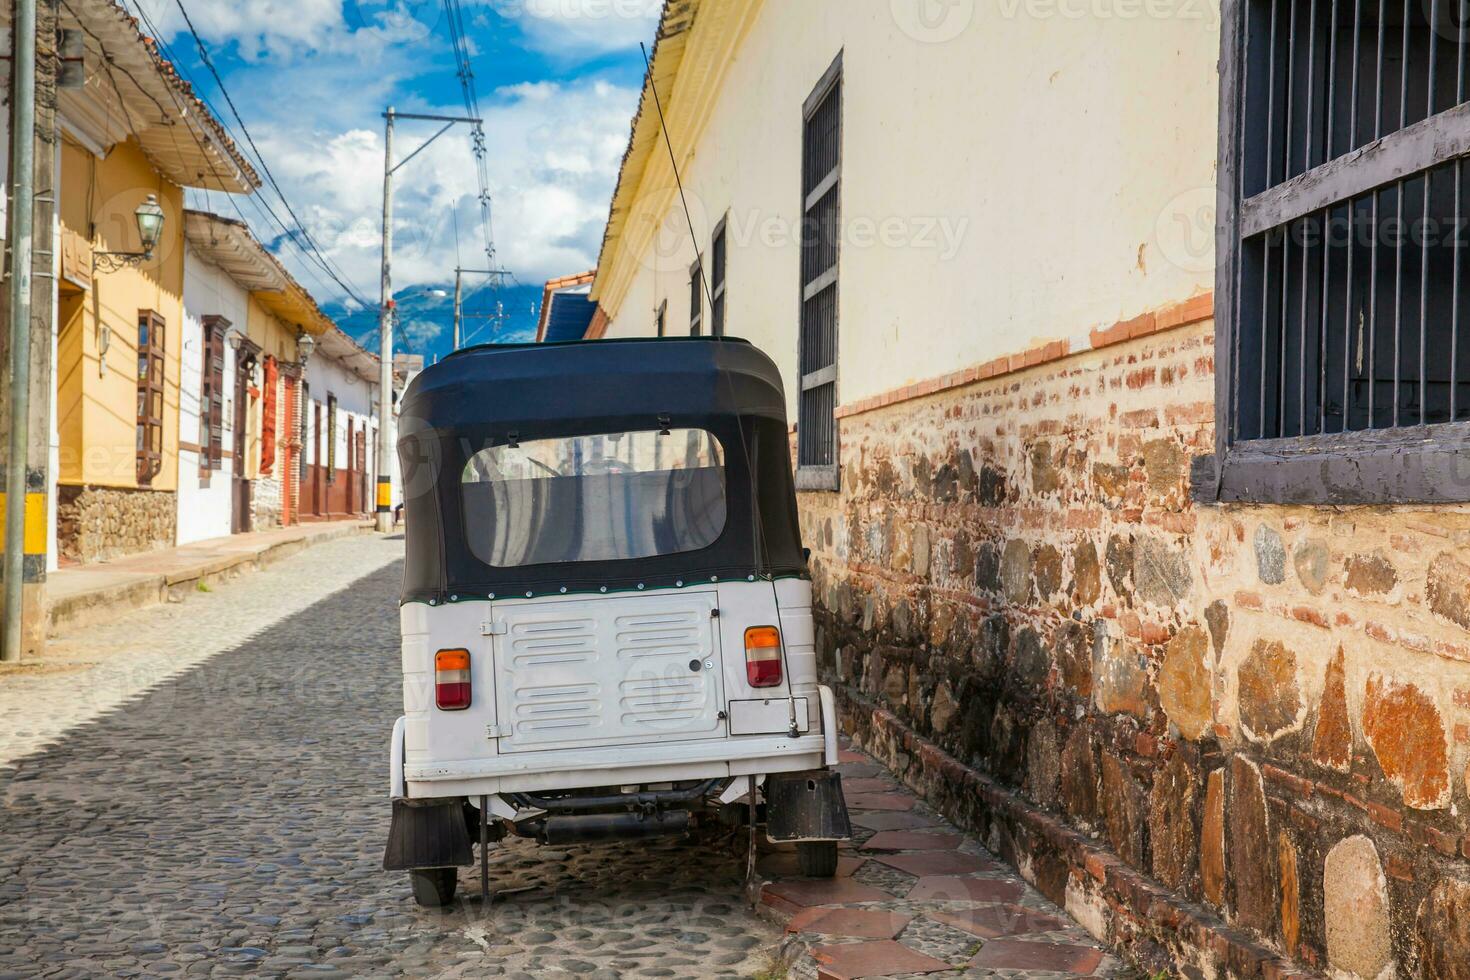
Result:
{"points": [[109, 63], [298, 236], [459, 41], [327, 265], [258, 201]]}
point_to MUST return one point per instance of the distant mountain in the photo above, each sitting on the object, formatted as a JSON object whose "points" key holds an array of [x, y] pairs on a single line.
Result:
{"points": [[426, 318]]}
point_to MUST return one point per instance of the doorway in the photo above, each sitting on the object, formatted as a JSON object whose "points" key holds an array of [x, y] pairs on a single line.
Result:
{"points": [[318, 477], [240, 522]]}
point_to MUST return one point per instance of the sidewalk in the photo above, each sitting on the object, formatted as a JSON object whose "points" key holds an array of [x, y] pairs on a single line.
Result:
{"points": [[913, 896], [83, 595]]}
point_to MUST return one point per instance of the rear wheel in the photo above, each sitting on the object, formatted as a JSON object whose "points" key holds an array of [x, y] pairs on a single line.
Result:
{"points": [[817, 859], [433, 888]]}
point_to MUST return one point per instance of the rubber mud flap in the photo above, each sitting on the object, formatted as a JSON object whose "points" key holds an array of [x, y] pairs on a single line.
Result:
{"points": [[431, 836], [806, 806]]}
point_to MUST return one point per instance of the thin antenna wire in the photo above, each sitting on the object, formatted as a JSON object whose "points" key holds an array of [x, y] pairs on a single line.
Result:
{"points": [[454, 213], [678, 181], [760, 528]]}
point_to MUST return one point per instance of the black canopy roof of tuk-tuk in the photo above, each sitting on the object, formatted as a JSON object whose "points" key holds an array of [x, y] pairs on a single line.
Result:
{"points": [[495, 394]]}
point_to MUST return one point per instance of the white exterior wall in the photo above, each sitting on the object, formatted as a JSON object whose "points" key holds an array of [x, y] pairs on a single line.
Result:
{"points": [[1037, 175], [204, 512], [354, 400]]}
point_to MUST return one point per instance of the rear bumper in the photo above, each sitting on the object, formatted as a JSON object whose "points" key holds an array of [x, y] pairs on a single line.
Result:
{"points": [[623, 764]]}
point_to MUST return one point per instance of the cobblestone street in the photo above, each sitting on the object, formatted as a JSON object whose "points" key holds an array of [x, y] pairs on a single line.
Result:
{"points": [[230, 820], [200, 789]]}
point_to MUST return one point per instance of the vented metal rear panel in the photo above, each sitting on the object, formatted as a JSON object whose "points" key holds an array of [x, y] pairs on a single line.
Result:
{"points": [[607, 671]]}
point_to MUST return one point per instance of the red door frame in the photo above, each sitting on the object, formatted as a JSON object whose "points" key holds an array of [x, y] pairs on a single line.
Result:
{"points": [[317, 485]]}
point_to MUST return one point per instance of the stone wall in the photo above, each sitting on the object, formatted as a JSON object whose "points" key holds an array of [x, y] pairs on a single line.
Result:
{"points": [[265, 503], [98, 523], [1261, 714]]}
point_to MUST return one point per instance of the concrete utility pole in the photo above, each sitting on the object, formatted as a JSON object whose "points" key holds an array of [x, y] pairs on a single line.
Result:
{"points": [[496, 276], [458, 280], [46, 265], [25, 486], [385, 315], [385, 343]]}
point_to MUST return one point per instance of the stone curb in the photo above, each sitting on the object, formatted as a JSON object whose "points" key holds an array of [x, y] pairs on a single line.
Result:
{"points": [[1135, 903], [107, 602]]}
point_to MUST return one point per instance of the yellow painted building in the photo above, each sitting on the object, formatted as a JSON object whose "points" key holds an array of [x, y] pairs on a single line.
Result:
{"points": [[133, 135], [99, 327]]}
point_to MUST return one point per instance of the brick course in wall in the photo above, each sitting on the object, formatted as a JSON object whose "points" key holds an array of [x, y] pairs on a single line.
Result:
{"points": [[1216, 734]]}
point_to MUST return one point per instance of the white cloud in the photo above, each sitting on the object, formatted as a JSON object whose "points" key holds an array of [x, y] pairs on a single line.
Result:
{"points": [[554, 151], [289, 30], [260, 27], [418, 335], [582, 27], [314, 79]]}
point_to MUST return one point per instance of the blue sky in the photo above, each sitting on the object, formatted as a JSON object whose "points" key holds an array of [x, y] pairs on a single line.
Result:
{"points": [[558, 83]]}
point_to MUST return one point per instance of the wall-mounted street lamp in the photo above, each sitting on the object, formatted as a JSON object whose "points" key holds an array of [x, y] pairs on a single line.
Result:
{"points": [[149, 216], [305, 344]]}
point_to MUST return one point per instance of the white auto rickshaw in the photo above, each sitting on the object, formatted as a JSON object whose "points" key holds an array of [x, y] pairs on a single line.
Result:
{"points": [[606, 613]]}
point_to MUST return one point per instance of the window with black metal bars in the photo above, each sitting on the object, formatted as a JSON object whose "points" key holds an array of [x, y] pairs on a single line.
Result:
{"points": [[1352, 219], [821, 223], [696, 300], [717, 282]]}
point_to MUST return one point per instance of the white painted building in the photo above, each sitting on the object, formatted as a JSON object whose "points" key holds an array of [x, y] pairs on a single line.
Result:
{"points": [[289, 441], [340, 429], [992, 224], [205, 493]]}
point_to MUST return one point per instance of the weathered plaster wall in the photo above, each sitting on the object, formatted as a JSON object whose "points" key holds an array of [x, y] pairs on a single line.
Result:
{"points": [[965, 200], [1265, 710]]}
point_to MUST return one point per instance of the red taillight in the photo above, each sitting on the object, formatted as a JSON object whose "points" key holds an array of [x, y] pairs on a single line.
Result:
{"points": [[452, 680], [763, 656]]}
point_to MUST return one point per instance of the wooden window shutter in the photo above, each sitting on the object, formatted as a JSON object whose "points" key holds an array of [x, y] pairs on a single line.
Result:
{"points": [[268, 418], [151, 346]]}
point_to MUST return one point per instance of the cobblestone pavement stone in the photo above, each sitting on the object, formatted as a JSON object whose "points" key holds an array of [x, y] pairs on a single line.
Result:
{"points": [[200, 790]]}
